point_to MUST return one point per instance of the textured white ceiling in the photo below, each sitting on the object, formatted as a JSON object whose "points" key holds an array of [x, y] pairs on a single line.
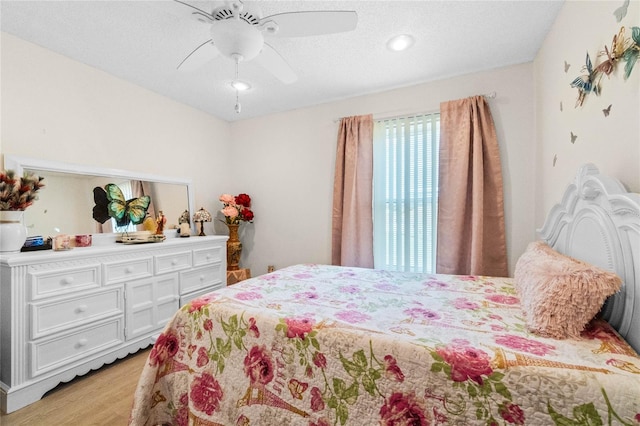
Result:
{"points": [[144, 41]]}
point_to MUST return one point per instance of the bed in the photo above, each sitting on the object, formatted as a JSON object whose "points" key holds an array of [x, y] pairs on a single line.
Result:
{"points": [[324, 345]]}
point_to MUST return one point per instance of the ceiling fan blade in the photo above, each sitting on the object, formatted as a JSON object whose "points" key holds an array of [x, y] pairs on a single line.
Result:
{"points": [[199, 56], [301, 24], [271, 60], [199, 11]]}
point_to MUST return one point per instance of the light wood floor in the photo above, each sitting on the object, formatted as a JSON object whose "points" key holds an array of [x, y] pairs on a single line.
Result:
{"points": [[102, 397]]}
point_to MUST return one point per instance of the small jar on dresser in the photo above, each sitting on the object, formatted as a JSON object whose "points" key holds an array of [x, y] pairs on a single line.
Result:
{"points": [[65, 313]]}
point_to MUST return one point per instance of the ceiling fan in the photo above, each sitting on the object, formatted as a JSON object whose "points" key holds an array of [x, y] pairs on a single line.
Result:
{"points": [[238, 32]]}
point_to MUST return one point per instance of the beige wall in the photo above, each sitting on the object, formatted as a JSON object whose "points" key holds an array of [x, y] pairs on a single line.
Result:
{"points": [[56, 108], [612, 143], [286, 162], [59, 109]]}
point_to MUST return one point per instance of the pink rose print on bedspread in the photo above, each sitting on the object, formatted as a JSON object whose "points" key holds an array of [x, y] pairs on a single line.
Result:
{"points": [[466, 363], [165, 347], [464, 303], [258, 365], [317, 403], [519, 343], [259, 368], [206, 393], [422, 314], [392, 371], [512, 413], [182, 414], [306, 295], [436, 284], [352, 316], [298, 327], [253, 328], [199, 303], [350, 289], [403, 409], [502, 299], [248, 295], [203, 357]]}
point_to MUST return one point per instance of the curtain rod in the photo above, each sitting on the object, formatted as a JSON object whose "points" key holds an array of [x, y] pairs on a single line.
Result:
{"points": [[399, 113]]}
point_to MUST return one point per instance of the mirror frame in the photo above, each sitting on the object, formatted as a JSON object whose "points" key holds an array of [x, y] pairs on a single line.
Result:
{"points": [[19, 164]]}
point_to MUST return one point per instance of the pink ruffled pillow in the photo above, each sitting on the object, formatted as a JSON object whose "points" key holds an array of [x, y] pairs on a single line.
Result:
{"points": [[559, 294]]}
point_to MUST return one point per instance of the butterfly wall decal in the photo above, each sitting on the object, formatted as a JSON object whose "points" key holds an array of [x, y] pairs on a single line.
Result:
{"points": [[607, 110], [632, 53], [566, 67], [110, 202], [586, 83], [573, 138], [618, 47], [621, 12]]}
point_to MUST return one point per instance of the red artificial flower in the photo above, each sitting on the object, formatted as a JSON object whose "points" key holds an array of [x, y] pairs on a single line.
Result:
{"points": [[236, 208], [246, 215], [243, 200]]}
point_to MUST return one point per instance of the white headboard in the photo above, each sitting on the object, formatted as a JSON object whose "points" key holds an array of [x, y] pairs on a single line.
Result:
{"points": [[598, 222]]}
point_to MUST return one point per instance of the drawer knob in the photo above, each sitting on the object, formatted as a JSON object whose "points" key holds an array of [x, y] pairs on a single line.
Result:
{"points": [[174, 262], [201, 277], [67, 280], [82, 308], [128, 269], [82, 342]]}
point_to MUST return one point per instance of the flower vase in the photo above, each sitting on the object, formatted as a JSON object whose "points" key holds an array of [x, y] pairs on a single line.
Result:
{"points": [[234, 248], [13, 233]]}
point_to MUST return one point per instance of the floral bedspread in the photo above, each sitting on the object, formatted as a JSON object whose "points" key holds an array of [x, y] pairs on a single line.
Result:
{"points": [[319, 345]]}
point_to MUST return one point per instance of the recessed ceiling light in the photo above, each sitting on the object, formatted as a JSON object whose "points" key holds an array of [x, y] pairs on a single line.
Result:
{"points": [[240, 85], [400, 42]]}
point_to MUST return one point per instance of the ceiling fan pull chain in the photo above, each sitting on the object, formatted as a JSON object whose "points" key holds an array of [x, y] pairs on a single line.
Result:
{"points": [[238, 107]]}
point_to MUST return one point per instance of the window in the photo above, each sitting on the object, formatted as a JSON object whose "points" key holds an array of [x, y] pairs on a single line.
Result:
{"points": [[405, 192]]}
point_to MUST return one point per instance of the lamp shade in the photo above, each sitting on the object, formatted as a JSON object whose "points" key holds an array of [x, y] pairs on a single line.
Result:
{"points": [[202, 216]]}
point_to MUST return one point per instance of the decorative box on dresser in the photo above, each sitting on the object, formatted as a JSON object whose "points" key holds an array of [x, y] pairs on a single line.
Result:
{"points": [[64, 313]]}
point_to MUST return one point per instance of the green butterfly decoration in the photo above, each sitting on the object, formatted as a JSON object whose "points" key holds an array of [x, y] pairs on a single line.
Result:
{"points": [[110, 202], [632, 53]]}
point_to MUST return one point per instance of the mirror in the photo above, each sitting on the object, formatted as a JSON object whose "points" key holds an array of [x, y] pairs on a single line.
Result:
{"points": [[65, 204]]}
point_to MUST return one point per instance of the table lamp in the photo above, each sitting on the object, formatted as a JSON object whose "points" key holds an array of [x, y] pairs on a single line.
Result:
{"points": [[201, 216]]}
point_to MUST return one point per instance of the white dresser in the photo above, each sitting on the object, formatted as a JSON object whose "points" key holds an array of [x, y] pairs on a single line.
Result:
{"points": [[63, 314]]}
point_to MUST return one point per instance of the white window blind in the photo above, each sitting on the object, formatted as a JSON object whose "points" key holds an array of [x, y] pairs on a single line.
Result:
{"points": [[405, 192]]}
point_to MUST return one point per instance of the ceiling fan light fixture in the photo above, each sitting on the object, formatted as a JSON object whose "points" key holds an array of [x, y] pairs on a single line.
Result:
{"points": [[400, 42], [234, 37], [240, 85]]}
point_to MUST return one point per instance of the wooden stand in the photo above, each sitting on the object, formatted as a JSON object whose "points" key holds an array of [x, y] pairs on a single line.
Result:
{"points": [[238, 275]]}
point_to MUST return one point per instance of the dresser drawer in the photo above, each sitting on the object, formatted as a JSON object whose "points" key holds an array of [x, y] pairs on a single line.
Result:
{"points": [[55, 352], [58, 315], [207, 256], [200, 278], [63, 280], [173, 262], [118, 272]]}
